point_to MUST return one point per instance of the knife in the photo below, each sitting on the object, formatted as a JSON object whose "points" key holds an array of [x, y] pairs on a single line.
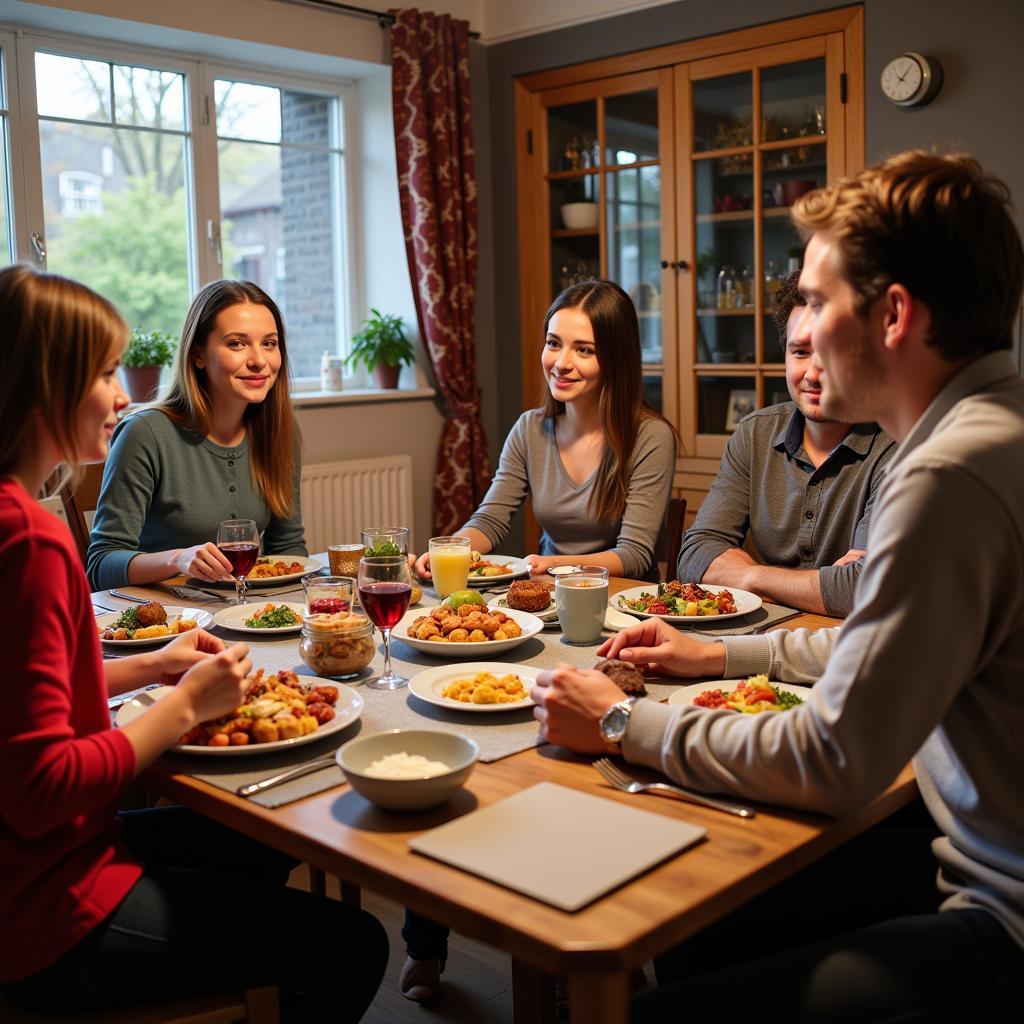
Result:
{"points": [[285, 776], [128, 597]]}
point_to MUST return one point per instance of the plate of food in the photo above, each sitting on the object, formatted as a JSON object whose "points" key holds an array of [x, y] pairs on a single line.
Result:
{"points": [[686, 602], [470, 631], [270, 570], [270, 618], [279, 710], [535, 596], [149, 623], [751, 696], [491, 569], [476, 686]]}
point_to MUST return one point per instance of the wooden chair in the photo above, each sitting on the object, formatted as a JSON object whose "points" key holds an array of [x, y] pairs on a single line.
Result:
{"points": [[80, 500], [254, 1005], [674, 535]]}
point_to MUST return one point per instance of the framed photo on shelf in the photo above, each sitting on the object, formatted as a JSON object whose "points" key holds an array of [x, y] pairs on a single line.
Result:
{"points": [[741, 402]]}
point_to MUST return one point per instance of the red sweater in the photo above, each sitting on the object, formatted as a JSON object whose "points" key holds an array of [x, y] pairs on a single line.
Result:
{"points": [[62, 869]]}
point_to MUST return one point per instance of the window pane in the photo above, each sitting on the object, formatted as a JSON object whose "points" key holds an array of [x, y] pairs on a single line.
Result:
{"points": [[6, 256], [247, 111], [144, 96], [306, 118], [793, 99], [115, 213], [722, 112], [72, 87], [631, 127]]}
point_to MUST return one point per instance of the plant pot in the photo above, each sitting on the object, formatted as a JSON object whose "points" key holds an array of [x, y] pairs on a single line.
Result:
{"points": [[141, 382], [387, 376], [578, 216]]}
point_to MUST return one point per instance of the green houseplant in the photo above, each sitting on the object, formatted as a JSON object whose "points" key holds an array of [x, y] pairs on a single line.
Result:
{"points": [[146, 353], [381, 346]]}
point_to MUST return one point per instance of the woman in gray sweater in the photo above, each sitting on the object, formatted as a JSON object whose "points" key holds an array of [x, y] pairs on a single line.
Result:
{"points": [[222, 444], [596, 461]]}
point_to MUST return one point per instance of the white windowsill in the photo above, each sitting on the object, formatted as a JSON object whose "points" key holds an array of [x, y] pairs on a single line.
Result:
{"points": [[355, 396]]}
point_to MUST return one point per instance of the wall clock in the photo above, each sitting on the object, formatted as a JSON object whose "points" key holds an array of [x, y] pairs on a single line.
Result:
{"points": [[911, 79]]}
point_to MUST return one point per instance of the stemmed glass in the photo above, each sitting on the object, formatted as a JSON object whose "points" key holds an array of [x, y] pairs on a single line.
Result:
{"points": [[385, 587], [239, 543]]}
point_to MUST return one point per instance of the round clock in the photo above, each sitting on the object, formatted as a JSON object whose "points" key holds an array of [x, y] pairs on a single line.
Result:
{"points": [[911, 79]]}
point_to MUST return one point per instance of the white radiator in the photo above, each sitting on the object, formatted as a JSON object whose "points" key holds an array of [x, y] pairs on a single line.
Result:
{"points": [[341, 498]]}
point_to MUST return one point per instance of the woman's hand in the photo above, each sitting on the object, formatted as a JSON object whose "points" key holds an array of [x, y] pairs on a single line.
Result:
{"points": [[204, 562], [570, 703], [216, 685], [539, 564], [656, 645], [184, 652]]}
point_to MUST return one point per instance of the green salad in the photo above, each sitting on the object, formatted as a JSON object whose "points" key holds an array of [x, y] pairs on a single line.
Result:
{"points": [[273, 617]]}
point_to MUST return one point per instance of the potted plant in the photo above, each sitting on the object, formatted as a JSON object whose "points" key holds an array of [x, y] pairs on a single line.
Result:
{"points": [[578, 210], [146, 353], [381, 346]]}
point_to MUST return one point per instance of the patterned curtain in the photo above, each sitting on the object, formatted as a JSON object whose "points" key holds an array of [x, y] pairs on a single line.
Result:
{"points": [[437, 188]]}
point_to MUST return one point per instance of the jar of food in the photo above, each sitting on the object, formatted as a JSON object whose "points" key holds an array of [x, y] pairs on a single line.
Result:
{"points": [[337, 645]]}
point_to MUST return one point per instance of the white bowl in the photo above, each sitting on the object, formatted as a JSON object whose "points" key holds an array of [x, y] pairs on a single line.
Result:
{"points": [[476, 651], [459, 752], [580, 215]]}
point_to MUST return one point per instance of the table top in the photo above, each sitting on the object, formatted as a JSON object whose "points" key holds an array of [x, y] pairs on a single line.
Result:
{"points": [[338, 831]]}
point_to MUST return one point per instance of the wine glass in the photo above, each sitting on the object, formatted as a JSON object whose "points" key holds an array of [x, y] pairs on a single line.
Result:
{"points": [[385, 587], [239, 543]]}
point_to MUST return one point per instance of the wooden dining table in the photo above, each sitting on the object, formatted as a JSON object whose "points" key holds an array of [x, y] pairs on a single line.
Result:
{"points": [[597, 947]]}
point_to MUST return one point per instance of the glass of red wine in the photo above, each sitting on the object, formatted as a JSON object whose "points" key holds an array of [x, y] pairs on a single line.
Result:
{"points": [[385, 587], [239, 542]]}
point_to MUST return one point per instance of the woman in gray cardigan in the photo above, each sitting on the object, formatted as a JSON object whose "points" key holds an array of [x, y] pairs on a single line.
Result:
{"points": [[596, 461], [222, 444]]}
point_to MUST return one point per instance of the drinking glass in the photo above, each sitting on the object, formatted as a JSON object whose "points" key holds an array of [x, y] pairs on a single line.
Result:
{"points": [[381, 541], [328, 594], [449, 564], [385, 587], [582, 600], [344, 558], [239, 543]]}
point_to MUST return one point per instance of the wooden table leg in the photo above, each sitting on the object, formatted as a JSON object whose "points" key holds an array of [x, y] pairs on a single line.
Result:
{"points": [[599, 998], [533, 995], [351, 895]]}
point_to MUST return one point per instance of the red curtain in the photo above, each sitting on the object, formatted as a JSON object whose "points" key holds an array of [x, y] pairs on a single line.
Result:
{"points": [[437, 188]]}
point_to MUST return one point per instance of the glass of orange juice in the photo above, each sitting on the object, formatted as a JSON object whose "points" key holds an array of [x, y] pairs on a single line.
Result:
{"points": [[449, 564]]}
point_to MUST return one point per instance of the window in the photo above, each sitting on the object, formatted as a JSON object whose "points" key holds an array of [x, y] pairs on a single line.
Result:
{"points": [[157, 174]]}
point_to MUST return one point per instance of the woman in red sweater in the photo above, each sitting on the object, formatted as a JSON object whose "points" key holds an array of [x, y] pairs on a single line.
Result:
{"points": [[98, 909]]}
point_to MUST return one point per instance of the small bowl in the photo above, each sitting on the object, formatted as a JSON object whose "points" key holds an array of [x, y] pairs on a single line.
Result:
{"points": [[459, 752]]}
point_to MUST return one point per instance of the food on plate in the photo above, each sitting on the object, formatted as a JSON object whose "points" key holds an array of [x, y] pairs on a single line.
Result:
{"points": [[267, 569], [470, 624], [750, 697], [337, 645], [460, 597], [529, 595], [677, 598], [628, 678], [273, 616], [416, 596], [486, 688], [145, 622], [480, 568], [405, 766], [276, 707]]}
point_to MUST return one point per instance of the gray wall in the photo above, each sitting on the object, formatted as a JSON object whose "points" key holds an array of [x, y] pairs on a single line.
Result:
{"points": [[980, 107]]}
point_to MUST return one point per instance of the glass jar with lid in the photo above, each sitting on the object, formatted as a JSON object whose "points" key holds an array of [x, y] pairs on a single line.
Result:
{"points": [[338, 645], [727, 289]]}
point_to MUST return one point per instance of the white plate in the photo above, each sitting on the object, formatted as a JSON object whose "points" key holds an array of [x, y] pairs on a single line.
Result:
{"points": [[547, 615], [516, 567], [310, 566], [745, 604], [613, 620], [529, 624], [429, 684], [348, 708], [234, 617], [685, 694], [616, 620], [203, 619]]}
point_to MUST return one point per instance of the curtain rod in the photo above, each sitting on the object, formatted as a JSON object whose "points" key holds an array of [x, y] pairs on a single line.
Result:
{"points": [[383, 18]]}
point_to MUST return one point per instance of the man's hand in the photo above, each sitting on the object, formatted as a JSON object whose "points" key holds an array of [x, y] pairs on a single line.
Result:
{"points": [[570, 703], [732, 568], [654, 644], [851, 556], [185, 651]]}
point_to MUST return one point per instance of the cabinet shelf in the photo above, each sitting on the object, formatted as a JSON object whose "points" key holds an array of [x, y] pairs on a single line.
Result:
{"points": [[742, 311], [575, 232], [734, 215]]}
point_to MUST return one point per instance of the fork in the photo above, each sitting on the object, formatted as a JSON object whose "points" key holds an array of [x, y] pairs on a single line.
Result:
{"points": [[189, 594], [620, 780]]}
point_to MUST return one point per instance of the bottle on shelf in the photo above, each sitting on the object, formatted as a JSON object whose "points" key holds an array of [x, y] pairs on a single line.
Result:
{"points": [[727, 289], [746, 287], [772, 282]]}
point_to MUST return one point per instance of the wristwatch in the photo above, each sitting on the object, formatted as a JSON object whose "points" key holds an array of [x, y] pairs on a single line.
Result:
{"points": [[615, 720]]}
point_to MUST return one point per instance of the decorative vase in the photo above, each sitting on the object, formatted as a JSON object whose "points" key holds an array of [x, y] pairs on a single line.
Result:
{"points": [[141, 382], [578, 216], [387, 376]]}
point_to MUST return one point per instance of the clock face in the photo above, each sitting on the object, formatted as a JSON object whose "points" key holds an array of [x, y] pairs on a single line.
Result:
{"points": [[901, 79]]}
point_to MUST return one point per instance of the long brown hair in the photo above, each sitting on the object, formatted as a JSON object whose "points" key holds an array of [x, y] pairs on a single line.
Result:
{"points": [[621, 402], [58, 336], [269, 425]]}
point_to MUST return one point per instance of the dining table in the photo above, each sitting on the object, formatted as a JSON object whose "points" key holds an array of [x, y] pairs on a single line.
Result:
{"points": [[596, 947]]}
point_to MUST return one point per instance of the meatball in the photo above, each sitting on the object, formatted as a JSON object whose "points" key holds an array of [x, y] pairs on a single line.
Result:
{"points": [[152, 613], [529, 595], [626, 677]]}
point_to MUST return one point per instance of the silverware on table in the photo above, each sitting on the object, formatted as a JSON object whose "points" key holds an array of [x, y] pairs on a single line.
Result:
{"points": [[286, 776], [116, 702], [129, 597], [198, 594], [620, 780]]}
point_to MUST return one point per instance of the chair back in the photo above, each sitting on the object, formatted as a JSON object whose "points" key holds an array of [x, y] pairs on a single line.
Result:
{"points": [[80, 502], [674, 535]]}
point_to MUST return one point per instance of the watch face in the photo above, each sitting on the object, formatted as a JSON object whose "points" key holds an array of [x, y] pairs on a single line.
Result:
{"points": [[613, 723], [902, 78]]}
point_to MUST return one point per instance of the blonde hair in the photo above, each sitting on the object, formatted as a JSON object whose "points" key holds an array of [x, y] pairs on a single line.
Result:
{"points": [[269, 425], [941, 227], [58, 336]]}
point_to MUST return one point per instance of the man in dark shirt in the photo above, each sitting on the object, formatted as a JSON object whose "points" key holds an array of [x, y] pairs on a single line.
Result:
{"points": [[799, 485]]}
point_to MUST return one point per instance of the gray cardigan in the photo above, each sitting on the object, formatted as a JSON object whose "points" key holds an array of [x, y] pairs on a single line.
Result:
{"points": [[166, 487], [530, 464]]}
